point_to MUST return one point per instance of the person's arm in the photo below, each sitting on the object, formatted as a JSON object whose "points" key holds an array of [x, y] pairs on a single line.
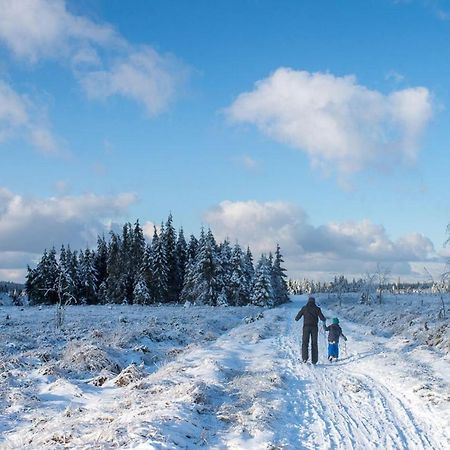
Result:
{"points": [[342, 334], [326, 328], [321, 316], [299, 315]]}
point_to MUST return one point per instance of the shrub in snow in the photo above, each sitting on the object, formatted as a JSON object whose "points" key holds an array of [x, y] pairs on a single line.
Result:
{"points": [[129, 375], [80, 357]]}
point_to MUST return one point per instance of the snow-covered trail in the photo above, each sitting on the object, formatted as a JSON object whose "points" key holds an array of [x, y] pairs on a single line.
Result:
{"points": [[236, 381], [353, 404]]}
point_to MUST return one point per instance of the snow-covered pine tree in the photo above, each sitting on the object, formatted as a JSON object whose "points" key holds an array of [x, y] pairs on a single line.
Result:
{"points": [[262, 292], [136, 257], [32, 286], [141, 294], [66, 281], [72, 274], [181, 259], [102, 294], [101, 261], [222, 299], [239, 286], [48, 274], [279, 285], [249, 270], [128, 270], [225, 270], [87, 277], [207, 266], [193, 246], [169, 240], [159, 287], [188, 292], [116, 291]]}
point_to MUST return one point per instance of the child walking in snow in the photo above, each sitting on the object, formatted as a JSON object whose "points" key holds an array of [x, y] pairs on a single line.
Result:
{"points": [[334, 333]]}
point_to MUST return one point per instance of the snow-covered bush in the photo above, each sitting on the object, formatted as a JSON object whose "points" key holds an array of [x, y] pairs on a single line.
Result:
{"points": [[82, 357]]}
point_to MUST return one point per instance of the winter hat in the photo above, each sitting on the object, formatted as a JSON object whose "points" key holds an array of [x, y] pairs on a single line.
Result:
{"points": [[311, 300], [335, 320]]}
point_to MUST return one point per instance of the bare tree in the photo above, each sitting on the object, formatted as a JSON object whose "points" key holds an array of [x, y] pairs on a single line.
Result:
{"points": [[367, 287], [65, 298], [340, 286], [382, 278], [440, 286]]}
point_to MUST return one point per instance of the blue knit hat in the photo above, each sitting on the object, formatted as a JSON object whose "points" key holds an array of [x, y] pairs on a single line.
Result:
{"points": [[335, 320]]}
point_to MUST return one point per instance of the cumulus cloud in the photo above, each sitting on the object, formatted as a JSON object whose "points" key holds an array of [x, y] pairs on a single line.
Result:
{"points": [[35, 29], [353, 247], [28, 225], [103, 61], [20, 117], [340, 124], [144, 76]]}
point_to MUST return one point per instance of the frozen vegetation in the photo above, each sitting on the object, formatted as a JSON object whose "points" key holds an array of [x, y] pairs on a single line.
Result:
{"points": [[175, 377]]}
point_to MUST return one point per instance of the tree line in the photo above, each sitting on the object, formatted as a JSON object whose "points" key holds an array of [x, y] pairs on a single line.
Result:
{"points": [[125, 268]]}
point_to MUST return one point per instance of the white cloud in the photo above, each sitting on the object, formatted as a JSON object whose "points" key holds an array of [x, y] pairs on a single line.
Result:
{"points": [[104, 62], [20, 117], [144, 76], [31, 224], [35, 29], [148, 229], [353, 247], [340, 124]]}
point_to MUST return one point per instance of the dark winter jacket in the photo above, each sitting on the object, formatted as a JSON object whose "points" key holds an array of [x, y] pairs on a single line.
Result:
{"points": [[311, 314], [334, 333]]}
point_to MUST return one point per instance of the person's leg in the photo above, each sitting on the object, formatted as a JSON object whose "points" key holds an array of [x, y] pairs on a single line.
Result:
{"points": [[333, 350], [305, 343], [330, 351], [314, 346]]}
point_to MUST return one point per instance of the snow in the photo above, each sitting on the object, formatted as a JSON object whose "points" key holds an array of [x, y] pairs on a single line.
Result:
{"points": [[174, 377], [5, 299]]}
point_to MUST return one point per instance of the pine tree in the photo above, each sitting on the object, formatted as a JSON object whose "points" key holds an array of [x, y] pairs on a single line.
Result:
{"points": [[248, 265], [147, 270], [141, 294], [169, 240], [128, 269], [102, 294], [72, 274], [207, 266], [280, 290], [224, 271], [188, 291], [116, 291], [181, 258], [101, 261], [87, 277], [239, 285], [262, 292], [32, 286], [159, 288], [67, 272], [193, 247], [48, 274]]}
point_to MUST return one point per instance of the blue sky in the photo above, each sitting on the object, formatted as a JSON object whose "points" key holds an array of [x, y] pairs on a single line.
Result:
{"points": [[322, 125]]}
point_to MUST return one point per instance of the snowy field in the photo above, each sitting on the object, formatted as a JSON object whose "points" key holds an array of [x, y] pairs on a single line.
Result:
{"points": [[224, 378]]}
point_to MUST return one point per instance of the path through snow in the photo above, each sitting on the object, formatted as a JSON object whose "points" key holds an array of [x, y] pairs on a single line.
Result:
{"points": [[351, 404], [242, 387]]}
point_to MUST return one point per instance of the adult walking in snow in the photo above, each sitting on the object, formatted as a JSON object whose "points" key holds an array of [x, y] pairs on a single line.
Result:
{"points": [[311, 314]]}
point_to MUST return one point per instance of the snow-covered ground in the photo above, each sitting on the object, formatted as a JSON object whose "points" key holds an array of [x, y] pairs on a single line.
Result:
{"points": [[223, 378]]}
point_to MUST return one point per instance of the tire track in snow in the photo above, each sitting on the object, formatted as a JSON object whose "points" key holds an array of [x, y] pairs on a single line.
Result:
{"points": [[336, 407]]}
